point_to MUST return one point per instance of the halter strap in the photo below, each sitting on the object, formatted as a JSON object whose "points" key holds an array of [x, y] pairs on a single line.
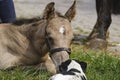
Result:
{"points": [[68, 50]]}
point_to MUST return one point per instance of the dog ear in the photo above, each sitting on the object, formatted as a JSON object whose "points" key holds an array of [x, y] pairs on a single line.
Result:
{"points": [[64, 66], [82, 64]]}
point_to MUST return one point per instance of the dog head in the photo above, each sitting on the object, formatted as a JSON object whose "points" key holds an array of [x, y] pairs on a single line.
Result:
{"points": [[71, 70], [73, 64]]}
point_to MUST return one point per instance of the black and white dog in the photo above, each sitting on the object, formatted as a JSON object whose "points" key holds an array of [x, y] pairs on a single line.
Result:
{"points": [[71, 70]]}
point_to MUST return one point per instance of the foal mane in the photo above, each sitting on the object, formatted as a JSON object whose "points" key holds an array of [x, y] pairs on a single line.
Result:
{"points": [[22, 21]]}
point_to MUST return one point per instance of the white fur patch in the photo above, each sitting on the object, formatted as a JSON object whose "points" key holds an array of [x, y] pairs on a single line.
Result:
{"points": [[62, 29], [75, 65]]}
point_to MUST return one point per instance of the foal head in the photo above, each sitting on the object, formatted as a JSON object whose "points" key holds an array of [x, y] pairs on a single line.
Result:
{"points": [[59, 33]]}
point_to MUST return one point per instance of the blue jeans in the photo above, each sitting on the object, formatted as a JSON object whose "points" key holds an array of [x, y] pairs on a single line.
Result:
{"points": [[7, 11]]}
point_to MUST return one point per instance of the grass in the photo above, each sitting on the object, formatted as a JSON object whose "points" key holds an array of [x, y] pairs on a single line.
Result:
{"points": [[101, 66], [78, 30]]}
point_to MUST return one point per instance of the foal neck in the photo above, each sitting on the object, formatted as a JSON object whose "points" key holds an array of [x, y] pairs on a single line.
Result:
{"points": [[35, 32]]}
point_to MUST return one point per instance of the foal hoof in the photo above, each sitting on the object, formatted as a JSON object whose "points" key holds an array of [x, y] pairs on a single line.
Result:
{"points": [[97, 44]]}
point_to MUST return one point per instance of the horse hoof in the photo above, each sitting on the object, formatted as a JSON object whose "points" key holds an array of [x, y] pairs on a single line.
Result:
{"points": [[97, 44], [79, 39]]}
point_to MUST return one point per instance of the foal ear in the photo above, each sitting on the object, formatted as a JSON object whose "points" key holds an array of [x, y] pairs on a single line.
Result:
{"points": [[70, 14], [49, 11]]}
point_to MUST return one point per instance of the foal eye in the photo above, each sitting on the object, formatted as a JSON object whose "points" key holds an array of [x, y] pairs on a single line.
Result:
{"points": [[72, 40], [50, 38]]}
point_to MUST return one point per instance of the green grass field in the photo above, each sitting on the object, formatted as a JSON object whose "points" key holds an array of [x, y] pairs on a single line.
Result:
{"points": [[101, 66]]}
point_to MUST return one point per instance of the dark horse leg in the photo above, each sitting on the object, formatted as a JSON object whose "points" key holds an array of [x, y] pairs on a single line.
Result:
{"points": [[116, 6], [98, 34]]}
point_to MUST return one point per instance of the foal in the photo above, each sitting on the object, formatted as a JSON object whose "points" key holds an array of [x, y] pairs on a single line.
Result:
{"points": [[28, 44]]}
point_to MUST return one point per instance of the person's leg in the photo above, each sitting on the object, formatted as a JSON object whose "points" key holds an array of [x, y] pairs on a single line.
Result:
{"points": [[7, 11]]}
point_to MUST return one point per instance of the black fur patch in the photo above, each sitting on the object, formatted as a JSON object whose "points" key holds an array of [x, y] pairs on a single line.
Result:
{"points": [[83, 77], [74, 70], [70, 72], [64, 65]]}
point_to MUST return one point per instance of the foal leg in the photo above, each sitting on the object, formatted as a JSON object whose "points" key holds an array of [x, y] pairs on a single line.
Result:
{"points": [[98, 34], [45, 64], [50, 65]]}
